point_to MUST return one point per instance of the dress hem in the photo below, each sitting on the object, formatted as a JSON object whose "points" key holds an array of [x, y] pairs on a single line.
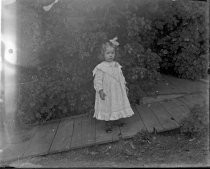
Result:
{"points": [[114, 116]]}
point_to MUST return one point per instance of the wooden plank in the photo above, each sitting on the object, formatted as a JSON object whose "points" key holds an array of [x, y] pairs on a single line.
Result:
{"points": [[164, 87], [188, 86], [205, 96], [149, 119], [160, 89], [192, 100], [143, 126], [198, 86], [160, 98], [14, 151], [196, 99], [178, 84], [116, 133], [174, 110], [185, 109], [133, 125], [88, 131], [163, 116], [62, 140], [77, 133], [187, 102], [42, 140], [101, 135]]}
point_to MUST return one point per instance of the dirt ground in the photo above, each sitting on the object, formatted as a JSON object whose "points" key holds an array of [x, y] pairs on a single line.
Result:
{"points": [[144, 150]]}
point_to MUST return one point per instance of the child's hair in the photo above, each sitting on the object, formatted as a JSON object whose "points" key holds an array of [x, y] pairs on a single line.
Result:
{"points": [[104, 47]]}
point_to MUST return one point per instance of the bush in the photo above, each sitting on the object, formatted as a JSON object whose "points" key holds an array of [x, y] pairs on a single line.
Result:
{"points": [[181, 38], [43, 101], [141, 64], [67, 39], [140, 69], [68, 46]]}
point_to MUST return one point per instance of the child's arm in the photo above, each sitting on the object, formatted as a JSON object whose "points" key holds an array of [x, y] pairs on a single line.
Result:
{"points": [[126, 88], [121, 73], [98, 84]]}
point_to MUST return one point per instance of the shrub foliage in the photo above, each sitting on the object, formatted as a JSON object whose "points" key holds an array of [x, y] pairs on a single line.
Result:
{"points": [[181, 38], [65, 49]]}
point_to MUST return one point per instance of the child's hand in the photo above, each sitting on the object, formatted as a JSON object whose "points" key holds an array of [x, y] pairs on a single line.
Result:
{"points": [[102, 94]]}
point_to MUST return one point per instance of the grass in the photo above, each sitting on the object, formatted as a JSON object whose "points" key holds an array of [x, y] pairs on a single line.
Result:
{"points": [[157, 149]]}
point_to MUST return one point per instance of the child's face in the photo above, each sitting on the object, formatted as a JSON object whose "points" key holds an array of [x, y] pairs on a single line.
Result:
{"points": [[109, 54]]}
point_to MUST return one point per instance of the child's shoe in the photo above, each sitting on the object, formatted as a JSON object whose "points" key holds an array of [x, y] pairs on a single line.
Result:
{"points": [[120, 123]]}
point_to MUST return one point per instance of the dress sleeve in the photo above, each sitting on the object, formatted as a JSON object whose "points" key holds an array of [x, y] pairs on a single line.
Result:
{"points": [[98, 80], [121, 73]]}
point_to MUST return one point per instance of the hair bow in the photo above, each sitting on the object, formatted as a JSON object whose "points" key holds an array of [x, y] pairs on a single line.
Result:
{"points": [[48, 7], [114, 41]]}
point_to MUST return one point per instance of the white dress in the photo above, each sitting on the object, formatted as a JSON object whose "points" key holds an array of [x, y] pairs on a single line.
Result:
{"points": [[109, 77]]}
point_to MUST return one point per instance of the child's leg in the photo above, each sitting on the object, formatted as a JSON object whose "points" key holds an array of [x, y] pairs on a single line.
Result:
{"points": [[108, 126], [120, 122]]}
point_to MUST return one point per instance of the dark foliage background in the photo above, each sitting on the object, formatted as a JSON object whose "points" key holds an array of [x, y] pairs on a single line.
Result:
{"points": [[58, 49]]}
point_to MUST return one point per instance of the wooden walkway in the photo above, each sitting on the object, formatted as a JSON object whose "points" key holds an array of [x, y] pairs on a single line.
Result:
{"points": [[82, 131]]}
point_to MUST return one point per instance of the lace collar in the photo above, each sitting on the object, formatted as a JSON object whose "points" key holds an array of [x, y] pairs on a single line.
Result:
{"points": [[105, 66]]}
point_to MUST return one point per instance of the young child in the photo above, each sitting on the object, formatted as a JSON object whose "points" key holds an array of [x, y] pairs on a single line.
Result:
{"points": [[111, 101]]}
